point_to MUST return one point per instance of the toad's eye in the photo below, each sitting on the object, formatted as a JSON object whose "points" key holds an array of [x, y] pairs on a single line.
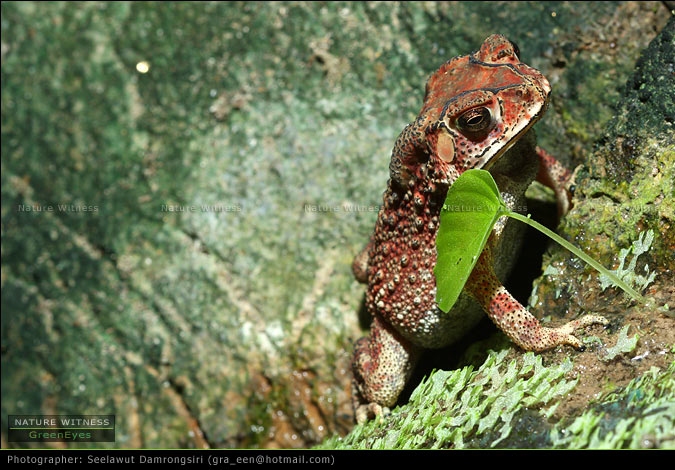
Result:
{"points": [[475, 123]]}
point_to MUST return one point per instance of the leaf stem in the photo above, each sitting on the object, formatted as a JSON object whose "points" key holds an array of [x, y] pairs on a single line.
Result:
{"points": [[578, 252]]}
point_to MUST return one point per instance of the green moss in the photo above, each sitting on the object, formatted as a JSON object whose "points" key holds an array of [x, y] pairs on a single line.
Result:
{"points": [[628, 273], [611, 214], [468, 408], [640, 415], [624, 344], [508, 403]]}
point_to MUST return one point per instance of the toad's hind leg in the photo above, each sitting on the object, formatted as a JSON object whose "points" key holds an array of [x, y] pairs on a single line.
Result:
{"points": [[512, 318], [381, 366]]}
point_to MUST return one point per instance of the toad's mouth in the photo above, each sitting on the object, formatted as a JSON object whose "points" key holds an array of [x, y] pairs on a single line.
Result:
{"points": [[519, 139]]}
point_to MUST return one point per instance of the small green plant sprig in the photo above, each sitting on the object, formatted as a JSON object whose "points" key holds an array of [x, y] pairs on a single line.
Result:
{"points": [[472, 207]]}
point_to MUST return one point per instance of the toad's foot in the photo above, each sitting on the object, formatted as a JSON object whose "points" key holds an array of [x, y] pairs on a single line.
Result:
{"points": [[370, 411], [563, 334], [514, 319]]}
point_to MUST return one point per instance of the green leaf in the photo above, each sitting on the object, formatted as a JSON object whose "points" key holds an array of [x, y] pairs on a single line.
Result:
{"points": [[472, 206]]}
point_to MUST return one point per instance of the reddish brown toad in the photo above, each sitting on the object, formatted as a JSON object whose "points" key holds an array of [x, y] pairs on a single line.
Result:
{"points": [[477, 112]]}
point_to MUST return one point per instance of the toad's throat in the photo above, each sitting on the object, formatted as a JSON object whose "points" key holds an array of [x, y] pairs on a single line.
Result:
{"points": [[499, 152]]}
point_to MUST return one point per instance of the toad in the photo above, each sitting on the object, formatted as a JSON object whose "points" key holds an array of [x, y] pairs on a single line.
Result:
{"points": [[478, 112]]}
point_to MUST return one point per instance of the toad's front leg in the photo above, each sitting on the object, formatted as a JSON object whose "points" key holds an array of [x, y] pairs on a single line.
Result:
{"points": [[512, 318], [554, 175]]}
